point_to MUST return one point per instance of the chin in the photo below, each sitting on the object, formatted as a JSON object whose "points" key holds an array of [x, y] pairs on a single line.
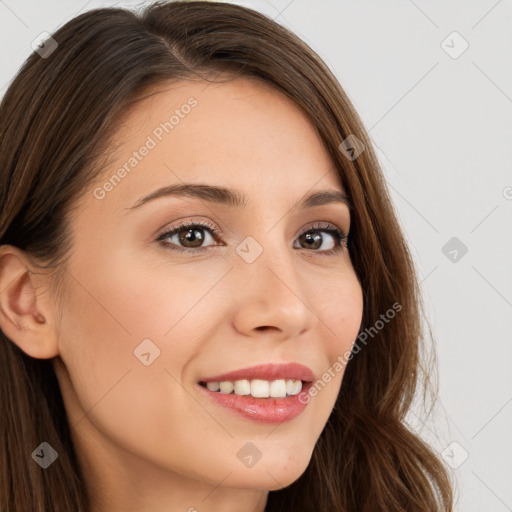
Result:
{"points": [[272, 474], [271, 481]]}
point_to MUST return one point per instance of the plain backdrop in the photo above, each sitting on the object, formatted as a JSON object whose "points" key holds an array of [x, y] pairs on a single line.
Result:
{"points": [[432, 81]]}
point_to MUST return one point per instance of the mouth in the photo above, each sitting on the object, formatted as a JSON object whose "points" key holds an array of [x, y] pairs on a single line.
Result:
{"points": [[257, 388], [264, 393]]}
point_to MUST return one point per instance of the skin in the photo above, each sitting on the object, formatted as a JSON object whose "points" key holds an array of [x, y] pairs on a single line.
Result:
{"points": [[146, 437]]}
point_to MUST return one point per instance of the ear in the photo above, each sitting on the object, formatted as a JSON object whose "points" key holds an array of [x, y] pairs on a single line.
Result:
{"points": [[26, 317]]}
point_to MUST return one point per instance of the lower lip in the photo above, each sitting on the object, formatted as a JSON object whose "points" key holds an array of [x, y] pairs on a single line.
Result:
{"points": [[262, 410]]}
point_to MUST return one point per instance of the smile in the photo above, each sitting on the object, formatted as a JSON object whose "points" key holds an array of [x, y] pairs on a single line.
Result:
{"points": [[265, 409], [257, 388]]}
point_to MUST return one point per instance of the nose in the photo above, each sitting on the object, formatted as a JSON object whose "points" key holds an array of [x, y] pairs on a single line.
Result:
{"points": [[271, 297]]}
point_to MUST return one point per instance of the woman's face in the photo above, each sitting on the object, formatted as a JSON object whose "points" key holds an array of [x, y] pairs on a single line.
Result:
{"points": [[146, 316]]}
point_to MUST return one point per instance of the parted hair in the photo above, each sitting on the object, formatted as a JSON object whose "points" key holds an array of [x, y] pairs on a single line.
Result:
{"points": [[56, 120]]}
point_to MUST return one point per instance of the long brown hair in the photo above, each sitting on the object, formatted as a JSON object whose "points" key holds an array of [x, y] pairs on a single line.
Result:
{"points": [[56, 120]]}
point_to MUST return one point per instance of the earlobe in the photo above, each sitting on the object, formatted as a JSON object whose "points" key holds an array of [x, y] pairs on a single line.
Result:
{"points": [[25, 318]]}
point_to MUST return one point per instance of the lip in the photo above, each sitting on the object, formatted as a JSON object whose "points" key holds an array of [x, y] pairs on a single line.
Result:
{"points": [[266, 372], [261, 410]]}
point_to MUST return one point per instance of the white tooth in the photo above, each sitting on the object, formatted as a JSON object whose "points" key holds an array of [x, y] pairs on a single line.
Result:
{"points": [[226, 386], [278, 388], [297, 386], [260, 388], [242, 387], [213, 386]]}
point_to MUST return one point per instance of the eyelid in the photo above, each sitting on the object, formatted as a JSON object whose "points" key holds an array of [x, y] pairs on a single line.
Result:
{"points": [[322, 224], [186, 223], [318, 225]]}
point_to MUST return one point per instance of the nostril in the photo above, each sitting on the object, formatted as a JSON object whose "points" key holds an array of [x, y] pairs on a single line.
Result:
{"points": [[264, 328]]}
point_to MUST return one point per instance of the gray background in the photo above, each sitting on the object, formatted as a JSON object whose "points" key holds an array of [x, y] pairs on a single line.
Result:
{"points": [[441, 124]]}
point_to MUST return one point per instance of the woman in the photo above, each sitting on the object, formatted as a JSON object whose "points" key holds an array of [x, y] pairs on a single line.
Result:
{"points": [[197, 249]]}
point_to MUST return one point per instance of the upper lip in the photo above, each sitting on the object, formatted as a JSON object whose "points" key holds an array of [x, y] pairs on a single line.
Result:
{"points": [[294, 371]]}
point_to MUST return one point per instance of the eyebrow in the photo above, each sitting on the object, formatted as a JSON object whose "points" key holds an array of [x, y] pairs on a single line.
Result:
{"points": [[235, 198]]}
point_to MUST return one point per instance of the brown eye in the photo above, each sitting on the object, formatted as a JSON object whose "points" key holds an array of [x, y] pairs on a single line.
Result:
{"points": [[314, 238], [190, 236], [311, 241]]}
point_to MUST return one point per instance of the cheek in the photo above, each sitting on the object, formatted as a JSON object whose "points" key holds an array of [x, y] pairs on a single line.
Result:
{"points": [[154, 298], [108, 320], [94, 345], [339, 306], [102, 325], [340, 310]]}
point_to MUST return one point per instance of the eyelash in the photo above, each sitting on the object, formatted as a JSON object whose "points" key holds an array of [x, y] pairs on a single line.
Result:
{"points": [[340, 237]]}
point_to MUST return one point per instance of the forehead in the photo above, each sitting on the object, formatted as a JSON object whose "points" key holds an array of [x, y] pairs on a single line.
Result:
{"points": [[241, 133]]}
